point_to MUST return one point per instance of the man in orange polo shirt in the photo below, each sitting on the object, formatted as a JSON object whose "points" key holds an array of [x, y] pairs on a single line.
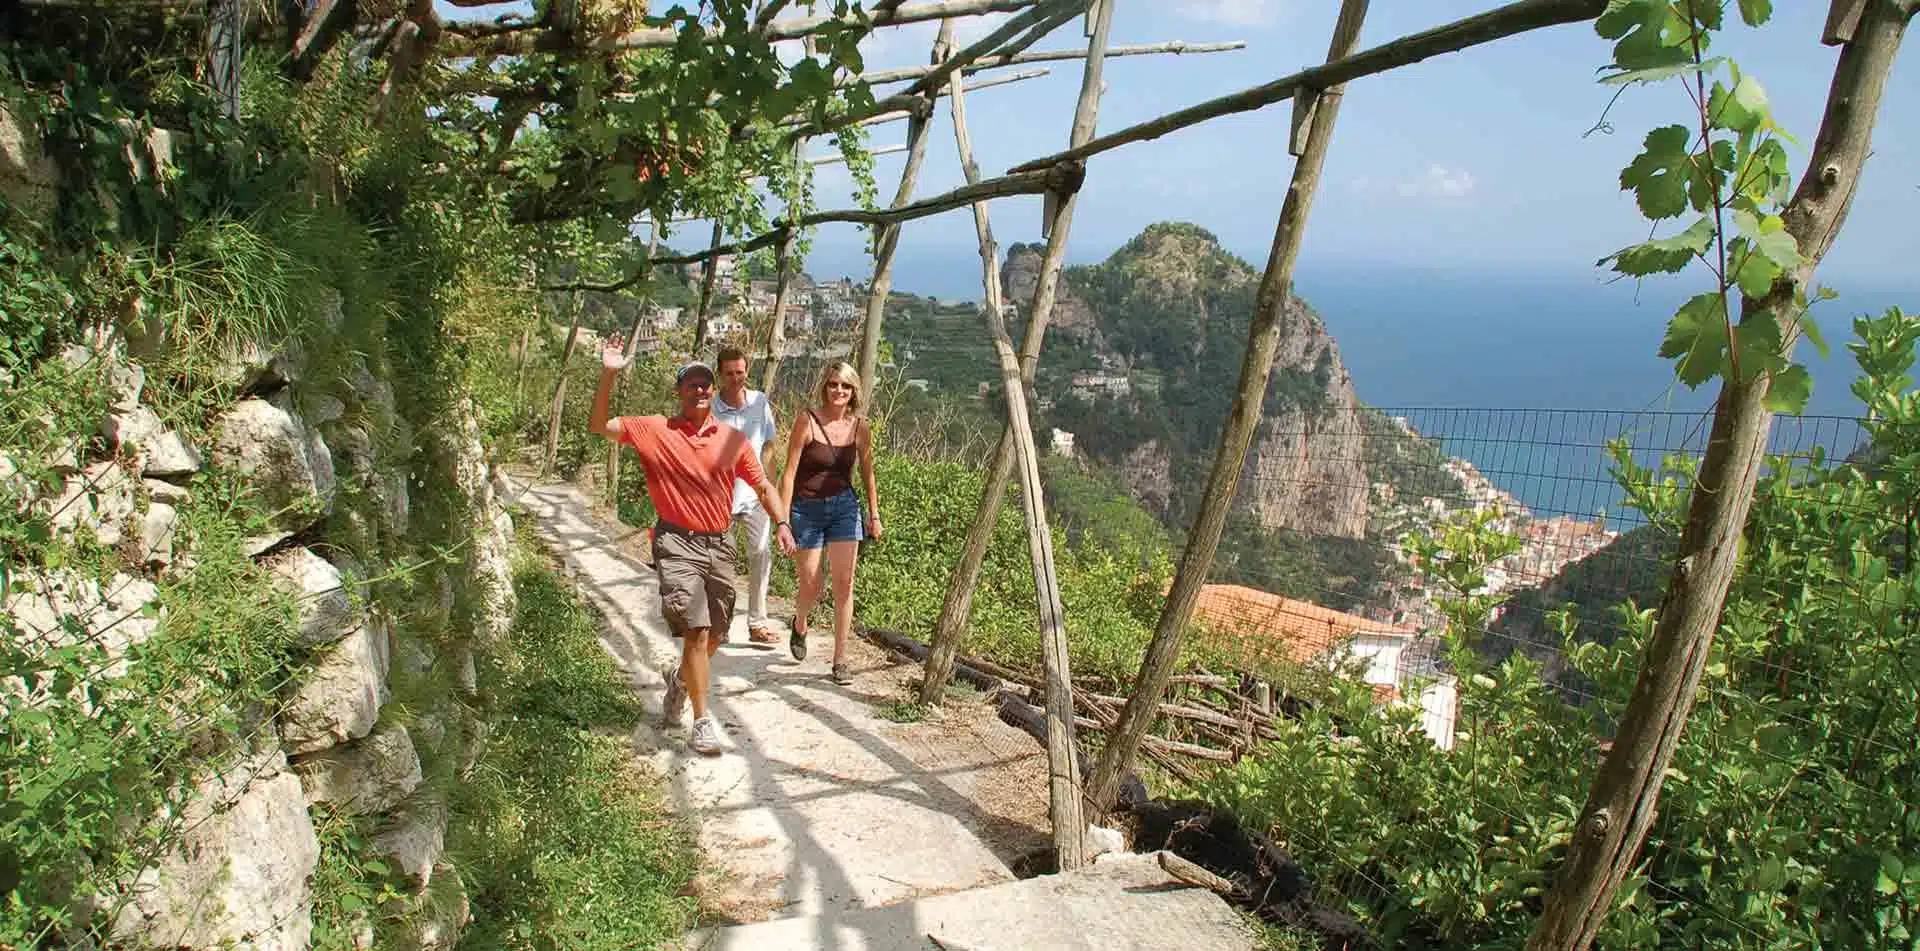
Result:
{"points": [[691, 460]]}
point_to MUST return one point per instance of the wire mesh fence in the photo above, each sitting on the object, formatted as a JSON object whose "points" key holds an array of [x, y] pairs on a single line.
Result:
{"points": [[1455, 662]]}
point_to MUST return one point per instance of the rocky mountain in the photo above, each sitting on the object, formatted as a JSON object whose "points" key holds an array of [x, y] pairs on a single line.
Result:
{"points": [[1141, 363]]}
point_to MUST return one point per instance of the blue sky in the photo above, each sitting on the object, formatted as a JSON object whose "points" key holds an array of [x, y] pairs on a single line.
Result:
{"points": [[1477, 162]]}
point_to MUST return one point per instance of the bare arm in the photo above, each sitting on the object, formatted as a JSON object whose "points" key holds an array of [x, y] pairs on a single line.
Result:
{"points": [[612, 361]]}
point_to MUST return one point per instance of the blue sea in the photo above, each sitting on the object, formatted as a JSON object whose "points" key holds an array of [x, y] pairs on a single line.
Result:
{"points": [[1526, 375]]}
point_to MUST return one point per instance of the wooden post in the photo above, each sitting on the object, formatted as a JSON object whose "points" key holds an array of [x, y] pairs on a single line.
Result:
{"points": [[707, 282], [958, 604], [1069, 823], [559, 403], [1063, 780], [1620, 808], [777, 334], [887, 237], [1263, 338], [226, 32]]}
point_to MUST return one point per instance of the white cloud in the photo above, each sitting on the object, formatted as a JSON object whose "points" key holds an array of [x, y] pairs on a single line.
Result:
{"points": [[1235, 12], [1438, 182]]}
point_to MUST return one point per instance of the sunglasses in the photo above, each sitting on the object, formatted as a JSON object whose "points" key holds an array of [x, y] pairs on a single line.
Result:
{"points": [[837, 385], [697, 383]]}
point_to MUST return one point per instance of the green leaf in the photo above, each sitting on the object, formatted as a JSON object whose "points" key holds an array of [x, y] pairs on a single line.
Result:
{"points": [[1757, 346], [1658, 176], [1773, 241], [1753, 272], [1657, 73], [1811, 329], [1790, 390], [1742, 108], [1704, 180], [1664, 255], [1756, 12], [1642, 28], [1697, 336]]}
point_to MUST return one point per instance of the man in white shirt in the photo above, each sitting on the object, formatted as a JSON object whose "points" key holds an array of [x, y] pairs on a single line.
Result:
{"points": [[751, 413]]}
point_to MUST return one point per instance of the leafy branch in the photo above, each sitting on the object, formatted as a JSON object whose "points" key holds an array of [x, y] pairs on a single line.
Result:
{"points": [[1730, 172]]}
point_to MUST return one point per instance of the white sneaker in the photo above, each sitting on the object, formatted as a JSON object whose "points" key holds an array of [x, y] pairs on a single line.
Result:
{"points": [[706, 737]]}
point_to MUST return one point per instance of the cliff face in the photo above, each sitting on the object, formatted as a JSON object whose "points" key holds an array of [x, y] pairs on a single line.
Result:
{"points": [[1073, 320], [1142, 361]]}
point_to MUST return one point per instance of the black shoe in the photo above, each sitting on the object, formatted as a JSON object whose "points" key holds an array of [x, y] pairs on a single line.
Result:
{"points": [[797, 643]]}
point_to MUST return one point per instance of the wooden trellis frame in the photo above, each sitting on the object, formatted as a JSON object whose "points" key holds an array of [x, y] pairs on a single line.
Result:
{"points": [[1620, 806]]}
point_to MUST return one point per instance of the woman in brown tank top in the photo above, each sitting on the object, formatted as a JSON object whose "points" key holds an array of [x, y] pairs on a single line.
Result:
{"points": [[824, 510]]}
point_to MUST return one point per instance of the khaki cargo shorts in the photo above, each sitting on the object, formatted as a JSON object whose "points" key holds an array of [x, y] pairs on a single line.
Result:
{"points": [[696, 579]]}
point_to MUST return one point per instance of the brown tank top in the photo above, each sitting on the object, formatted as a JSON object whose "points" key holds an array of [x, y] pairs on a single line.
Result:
{"points": [[825, 470]]}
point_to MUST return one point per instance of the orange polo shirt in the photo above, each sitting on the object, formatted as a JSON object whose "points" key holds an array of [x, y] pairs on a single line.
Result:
{"points": [[690, 471]]}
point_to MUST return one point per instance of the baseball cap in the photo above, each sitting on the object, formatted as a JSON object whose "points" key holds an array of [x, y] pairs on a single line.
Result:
{"points": [[696, 365]]}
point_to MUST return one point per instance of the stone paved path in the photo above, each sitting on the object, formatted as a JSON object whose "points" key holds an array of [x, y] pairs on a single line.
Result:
{"points": [[813, 809], [826, 828]]}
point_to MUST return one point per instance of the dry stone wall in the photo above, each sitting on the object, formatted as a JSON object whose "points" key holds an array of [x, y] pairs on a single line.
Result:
{"points": [[332, 466]]}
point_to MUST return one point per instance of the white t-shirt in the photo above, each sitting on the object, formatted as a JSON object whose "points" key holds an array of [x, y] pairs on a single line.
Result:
{"points": [[754, 419]]}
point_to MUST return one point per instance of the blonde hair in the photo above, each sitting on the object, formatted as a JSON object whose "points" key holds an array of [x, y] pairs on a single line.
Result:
{"points": [[842, 372]]}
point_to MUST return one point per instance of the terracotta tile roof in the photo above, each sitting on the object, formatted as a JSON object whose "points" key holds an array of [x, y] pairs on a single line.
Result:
{"points": [[1267, 624]]}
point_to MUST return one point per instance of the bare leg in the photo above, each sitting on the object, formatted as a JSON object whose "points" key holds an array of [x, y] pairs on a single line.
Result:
{"points": [[806, 569], [695, 647], [844, 556]]}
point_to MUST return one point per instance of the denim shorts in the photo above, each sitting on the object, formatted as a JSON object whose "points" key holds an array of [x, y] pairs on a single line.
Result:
{"points": [[836, 518]]}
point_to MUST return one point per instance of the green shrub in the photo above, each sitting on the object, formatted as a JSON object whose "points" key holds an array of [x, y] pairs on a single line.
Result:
{"points": [[565, 843], [1111, 600], [1786, 817]]}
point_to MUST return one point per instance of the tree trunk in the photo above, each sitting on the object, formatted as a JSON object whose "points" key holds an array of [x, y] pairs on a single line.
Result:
{"points": [[707, 282], [1263, 338], [951, 626], [887, 238], [560, 387], [1620, 808]]}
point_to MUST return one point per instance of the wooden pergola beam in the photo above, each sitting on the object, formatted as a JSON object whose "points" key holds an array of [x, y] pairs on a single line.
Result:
{"points": [[998, 60], [1041, 17], [532, 38], [1520, 17], [1064, 177], [904, 106]]}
